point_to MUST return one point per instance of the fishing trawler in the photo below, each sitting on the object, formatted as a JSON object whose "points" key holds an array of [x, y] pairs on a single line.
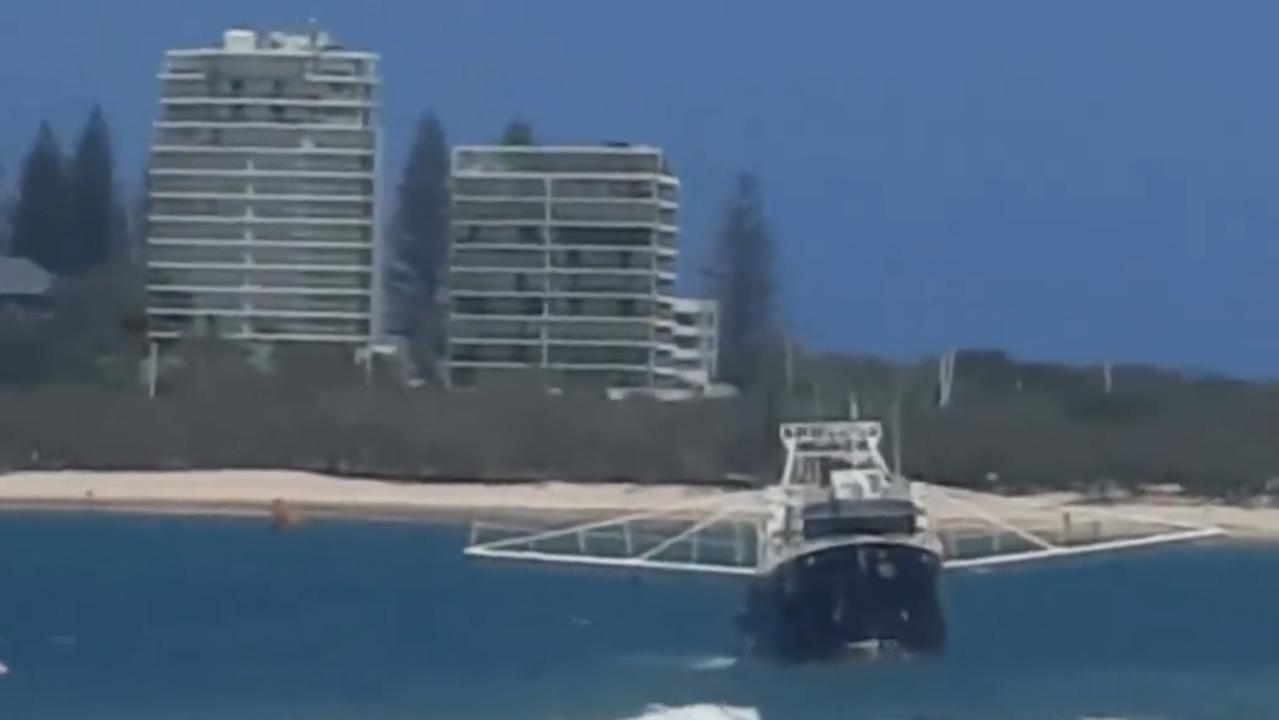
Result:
{"points": [[848, 560], [841, 556]]}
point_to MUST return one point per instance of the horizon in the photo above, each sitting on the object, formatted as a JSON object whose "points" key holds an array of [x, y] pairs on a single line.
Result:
{"points": [[906, 156]]}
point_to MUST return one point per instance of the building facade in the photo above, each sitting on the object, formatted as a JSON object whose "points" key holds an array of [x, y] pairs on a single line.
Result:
{"points": [[695, 353], [563, 259], [262, 223]]}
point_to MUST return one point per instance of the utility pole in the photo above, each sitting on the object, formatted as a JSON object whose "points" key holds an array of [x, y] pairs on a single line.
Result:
{"points": [[945, 377], [153, 368]]}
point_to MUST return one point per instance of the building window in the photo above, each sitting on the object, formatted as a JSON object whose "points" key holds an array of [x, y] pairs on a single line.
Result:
{"points": [[235, 86]]}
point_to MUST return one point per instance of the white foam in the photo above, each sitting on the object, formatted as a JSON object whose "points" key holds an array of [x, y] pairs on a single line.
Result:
{"points": [[700, 711], [712, 662], [696, 663], [4, 669]]}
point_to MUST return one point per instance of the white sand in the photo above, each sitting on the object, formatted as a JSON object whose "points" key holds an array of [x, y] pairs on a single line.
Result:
{"points": [[253, 491]]}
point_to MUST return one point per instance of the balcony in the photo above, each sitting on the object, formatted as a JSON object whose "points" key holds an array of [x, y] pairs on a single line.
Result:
{"points": [[485, 260], [482, 330], [195, 232], [469, 305], [497, 281], [258, 208], [604, 190], [598, 355], [601, 330], [479, 211], [289, 138], [498, 235], [161, 275], [169, 300], [570, 307], [602, 284], [279, 114], [494, 188], [602, 237], [511, 353], [606, 212]]}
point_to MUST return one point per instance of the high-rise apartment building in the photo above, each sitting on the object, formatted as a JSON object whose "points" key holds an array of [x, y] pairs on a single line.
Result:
{"points": [[263, 191], [563, 259]]}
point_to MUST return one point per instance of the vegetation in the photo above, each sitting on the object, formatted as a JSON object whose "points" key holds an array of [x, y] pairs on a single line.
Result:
{"points": [[419, 242], [66, 217], [39, 215], [217, 414], [743, 282], [518, 132]]}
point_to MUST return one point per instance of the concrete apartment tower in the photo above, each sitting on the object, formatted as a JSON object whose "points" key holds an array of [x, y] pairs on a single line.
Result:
{"points": [[263, 192], [563, 259]]}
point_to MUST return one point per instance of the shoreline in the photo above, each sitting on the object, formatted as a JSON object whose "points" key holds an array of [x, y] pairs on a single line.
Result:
{"points": [[254, 493], [304, 495]]}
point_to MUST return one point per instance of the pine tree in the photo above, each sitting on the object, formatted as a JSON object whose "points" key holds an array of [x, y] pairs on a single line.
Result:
{"points": [[136, 218], [518, 132], [95, 214], [39, 215], [744, 284], [6, 217], [420, 236]]}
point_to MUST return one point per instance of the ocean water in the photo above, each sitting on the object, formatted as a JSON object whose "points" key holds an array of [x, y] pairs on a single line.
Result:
{"points": [[109, 616]]}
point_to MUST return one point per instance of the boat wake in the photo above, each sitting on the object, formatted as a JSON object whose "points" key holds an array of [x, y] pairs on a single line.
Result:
{"points": [[695, 663], [701, 711]]}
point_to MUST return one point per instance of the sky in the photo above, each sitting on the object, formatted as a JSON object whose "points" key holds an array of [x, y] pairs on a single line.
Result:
{"points": [[1083, 181]]}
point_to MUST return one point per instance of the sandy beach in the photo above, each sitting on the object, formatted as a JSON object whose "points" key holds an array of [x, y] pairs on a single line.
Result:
{"points": [[254, 491]]}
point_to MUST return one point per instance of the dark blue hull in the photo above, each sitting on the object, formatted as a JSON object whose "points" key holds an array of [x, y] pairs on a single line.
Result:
{"points": [[823, 604]]}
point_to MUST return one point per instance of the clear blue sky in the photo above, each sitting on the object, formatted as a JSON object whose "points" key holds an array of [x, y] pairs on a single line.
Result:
{"points": [[1082, 180]]}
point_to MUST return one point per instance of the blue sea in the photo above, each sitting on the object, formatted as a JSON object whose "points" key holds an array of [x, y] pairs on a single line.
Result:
{"points": [[113, 616]]}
